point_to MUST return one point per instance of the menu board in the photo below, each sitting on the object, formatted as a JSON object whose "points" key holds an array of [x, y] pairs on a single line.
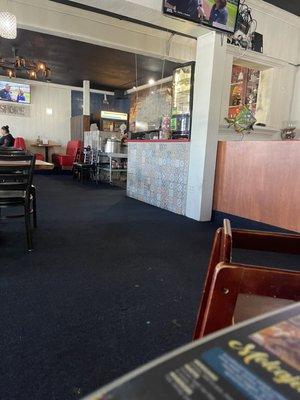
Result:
{"points": [[256, 360], [182, 82], [182, 100]]}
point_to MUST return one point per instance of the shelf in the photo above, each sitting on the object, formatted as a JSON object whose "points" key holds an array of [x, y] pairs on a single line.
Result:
{"points": [[115, 155], [113, 169]]}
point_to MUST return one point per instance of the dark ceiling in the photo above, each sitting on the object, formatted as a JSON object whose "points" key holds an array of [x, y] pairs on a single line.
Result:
{"points": [[293, 6], [72, 61]]}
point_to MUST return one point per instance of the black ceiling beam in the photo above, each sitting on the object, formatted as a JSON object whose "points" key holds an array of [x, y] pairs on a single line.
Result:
{"points": [[292, 6], [120, 17]]}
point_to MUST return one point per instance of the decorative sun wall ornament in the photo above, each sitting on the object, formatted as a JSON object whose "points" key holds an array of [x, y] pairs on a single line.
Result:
{"points": [[243, 122]]}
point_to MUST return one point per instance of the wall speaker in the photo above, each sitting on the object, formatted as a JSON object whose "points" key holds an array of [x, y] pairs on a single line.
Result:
{"points": [[257, 43]]}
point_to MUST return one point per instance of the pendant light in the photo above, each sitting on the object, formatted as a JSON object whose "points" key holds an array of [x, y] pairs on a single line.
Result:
{"points": [[8, 25]]}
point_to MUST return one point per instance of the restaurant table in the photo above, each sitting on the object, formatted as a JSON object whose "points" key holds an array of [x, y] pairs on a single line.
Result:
{"points": [[39, 165], [46, 148], [256, 359]]}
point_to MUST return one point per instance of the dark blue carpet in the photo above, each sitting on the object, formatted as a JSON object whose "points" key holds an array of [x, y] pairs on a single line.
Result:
{"points": [[112, 284]]}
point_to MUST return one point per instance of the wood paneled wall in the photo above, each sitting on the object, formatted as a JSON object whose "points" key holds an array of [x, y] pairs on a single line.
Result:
{"points": [[79, 125], [260, 181]]}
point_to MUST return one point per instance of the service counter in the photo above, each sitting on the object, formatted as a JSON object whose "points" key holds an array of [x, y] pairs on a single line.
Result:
{"points": [[259, 181], [158, 173], [256, 180]]}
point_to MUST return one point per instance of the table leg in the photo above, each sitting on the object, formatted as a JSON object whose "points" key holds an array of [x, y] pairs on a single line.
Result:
{"points": [[110, 169], [46, 154]]}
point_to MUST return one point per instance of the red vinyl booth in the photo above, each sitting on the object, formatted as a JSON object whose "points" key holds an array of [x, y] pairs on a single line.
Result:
{"points": [[65, 161], [21, 145]]}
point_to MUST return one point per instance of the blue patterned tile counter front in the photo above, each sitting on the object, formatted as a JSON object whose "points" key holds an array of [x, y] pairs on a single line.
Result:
{"points": [[158, 174]]}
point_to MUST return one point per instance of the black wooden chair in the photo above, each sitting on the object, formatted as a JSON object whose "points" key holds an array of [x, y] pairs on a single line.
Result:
{"points": [[16, 190], [18, 152], [84, 166], [11, 151]]}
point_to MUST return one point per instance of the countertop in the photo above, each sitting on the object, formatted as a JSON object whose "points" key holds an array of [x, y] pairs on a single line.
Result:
{"points": [[158, 140]]}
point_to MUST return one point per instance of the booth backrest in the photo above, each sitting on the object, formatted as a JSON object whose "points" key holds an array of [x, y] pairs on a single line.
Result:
{"points": [[19, 143], [72, 147]]}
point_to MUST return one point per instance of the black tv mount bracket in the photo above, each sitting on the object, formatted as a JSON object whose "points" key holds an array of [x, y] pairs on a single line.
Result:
{"points": [[245, 27]]}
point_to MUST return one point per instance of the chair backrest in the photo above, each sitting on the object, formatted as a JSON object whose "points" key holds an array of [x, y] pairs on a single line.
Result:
{"points": [[221, 252], [72, 147], [16, 173], [12, 151], [19, 143], [79, 156], [226, 239], [246, 291]]}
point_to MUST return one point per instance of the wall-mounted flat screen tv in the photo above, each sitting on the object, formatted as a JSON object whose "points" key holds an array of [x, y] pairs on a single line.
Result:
{"points": [[15, 92], [217, 14]]}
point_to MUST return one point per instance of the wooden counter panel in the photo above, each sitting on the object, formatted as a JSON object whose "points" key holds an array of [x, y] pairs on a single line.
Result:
{"points": [[260, 181]]}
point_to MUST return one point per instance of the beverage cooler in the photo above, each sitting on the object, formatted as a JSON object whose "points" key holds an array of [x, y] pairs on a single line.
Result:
{"points": [[182, 101], [111, 121]]}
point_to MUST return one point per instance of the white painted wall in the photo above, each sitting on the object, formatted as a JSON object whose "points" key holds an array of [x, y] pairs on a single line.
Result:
{"points": [[281, 32], [280, 28], [209, 73], [281, 46], [279, 91], [55, 127]]}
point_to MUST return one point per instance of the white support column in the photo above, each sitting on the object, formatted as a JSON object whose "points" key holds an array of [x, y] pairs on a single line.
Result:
{"points": [[208, 86], [295, 107], [86, 98]]}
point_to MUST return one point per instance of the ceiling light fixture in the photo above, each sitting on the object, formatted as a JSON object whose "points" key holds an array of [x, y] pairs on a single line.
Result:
{"points": [[8, 25], [151, 81], [17, 64]]}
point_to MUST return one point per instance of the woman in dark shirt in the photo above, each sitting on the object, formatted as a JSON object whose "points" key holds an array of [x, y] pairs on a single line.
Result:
{"points": [[6, 139], [219, 13]]}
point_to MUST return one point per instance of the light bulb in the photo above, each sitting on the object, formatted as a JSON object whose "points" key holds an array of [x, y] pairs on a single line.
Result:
{"points": [[10, 73], [32, 74], [41, 66], [151, 81]]}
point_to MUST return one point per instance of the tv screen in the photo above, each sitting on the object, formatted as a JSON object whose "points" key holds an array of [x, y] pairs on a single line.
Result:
{"points": [[218, 14], [15, 92]]}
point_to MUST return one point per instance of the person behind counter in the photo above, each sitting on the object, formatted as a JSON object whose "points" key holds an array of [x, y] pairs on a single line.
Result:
{"points": [[6, 139]]}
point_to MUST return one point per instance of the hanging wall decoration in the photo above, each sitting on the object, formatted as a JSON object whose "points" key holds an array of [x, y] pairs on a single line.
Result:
{"points": [[16, 110], [243, 122]]}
